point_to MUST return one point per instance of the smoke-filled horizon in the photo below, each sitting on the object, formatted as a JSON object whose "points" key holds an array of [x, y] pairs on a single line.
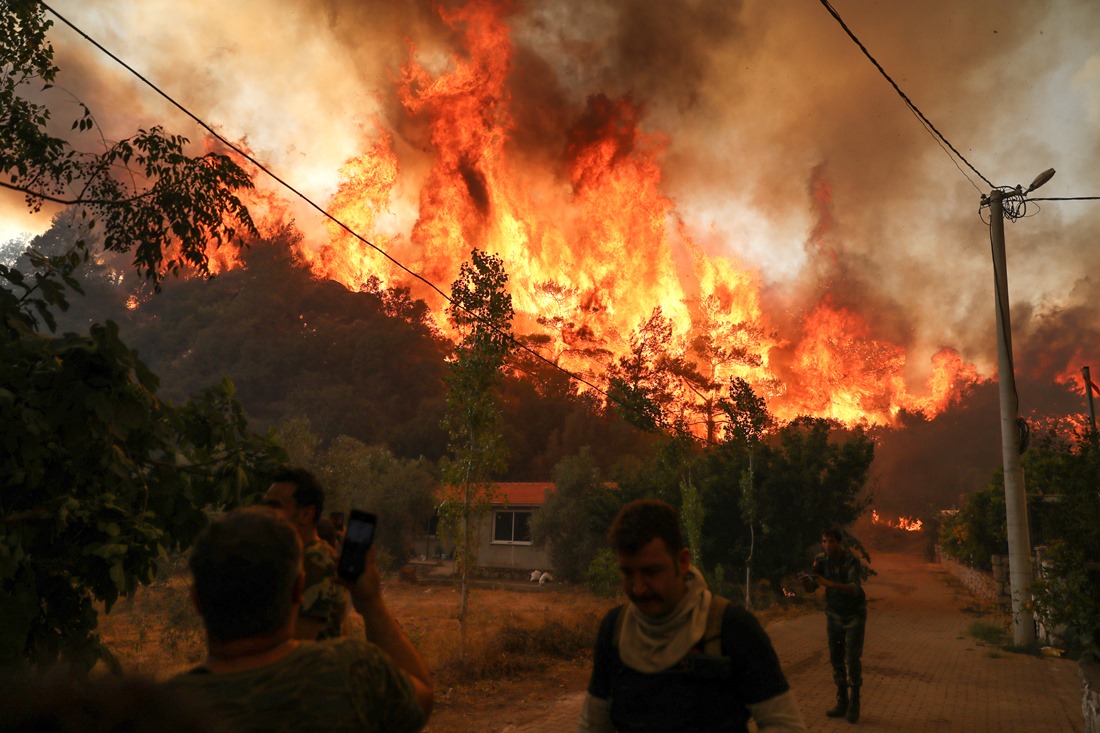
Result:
{"points": [[778, 151]]}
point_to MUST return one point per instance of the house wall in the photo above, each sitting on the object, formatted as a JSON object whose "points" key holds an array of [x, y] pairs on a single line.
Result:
{"points": [[523, 557], [507, 555]]}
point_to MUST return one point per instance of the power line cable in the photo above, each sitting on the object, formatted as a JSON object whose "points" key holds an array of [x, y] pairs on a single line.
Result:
{"points": [[247, 156], [1066, 198], [909, 103], [244, 154]]}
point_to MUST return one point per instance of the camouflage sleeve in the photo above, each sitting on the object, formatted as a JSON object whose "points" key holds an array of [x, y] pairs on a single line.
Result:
{"points": [[323, 598], [386, 693]]}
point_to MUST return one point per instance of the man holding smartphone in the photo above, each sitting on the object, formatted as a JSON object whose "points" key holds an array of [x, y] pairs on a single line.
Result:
{"points": [[297, 495], [248, 584]]}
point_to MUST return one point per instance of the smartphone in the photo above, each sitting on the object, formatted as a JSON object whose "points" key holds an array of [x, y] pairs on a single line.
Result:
{"points": [[357, 540]]}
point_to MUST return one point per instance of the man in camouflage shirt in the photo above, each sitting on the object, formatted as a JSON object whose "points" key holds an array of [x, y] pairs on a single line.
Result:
{"points": [[839, 571], [298, 497], [247, 585]]}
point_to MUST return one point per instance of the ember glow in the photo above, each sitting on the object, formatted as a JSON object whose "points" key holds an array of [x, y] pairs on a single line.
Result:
{"points": [[905, 523]]}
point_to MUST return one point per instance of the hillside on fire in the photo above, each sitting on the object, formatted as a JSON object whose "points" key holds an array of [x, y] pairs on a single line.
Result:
{"points": [[370, 365]]}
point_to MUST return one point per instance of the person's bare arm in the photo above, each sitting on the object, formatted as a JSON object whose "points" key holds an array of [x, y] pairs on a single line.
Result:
{"points": [[778, 715], [595, 716], [384, 631]]}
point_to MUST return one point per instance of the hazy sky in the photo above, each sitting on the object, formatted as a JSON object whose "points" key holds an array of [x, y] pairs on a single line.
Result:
{"points": [[760, 101]]}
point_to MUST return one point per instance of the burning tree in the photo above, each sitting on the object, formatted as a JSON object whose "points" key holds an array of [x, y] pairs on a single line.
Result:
{"points": [[481, 310]]}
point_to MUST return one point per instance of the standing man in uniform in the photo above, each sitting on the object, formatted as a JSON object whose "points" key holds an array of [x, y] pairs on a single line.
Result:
{"points": [[297, 496], [838, 570], [677, 657]]}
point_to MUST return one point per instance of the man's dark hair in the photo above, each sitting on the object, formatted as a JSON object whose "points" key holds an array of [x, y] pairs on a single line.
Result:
{"points": [[307, 489], [245, 566], [834, 533], [642, 521]]}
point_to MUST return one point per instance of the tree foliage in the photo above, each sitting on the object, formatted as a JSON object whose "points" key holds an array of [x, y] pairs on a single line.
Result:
{"points": [[401, 491], [365, 364], [811, 476], [643, 385], [977, 531], [1064, 517], [807, 475], [481, 309], [747, 421], [141, 194], [574, 521], [100, 476]]}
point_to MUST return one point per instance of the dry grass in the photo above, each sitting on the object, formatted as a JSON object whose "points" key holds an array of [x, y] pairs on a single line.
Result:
{"points": [[509, 632], [526, 647], [157, 632]]}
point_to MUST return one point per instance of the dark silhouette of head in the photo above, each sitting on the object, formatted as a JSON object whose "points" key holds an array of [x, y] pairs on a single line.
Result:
{"points": [[245, 566]]}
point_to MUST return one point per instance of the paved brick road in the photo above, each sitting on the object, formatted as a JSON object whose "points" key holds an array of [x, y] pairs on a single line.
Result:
{"points": [[922, 669]]}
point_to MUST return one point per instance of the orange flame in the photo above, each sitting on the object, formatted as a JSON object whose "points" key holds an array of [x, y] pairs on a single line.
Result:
{"points": [[905, 523], [593, 244]]}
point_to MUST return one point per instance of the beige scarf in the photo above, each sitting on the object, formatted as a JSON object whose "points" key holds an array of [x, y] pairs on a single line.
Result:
{"points": [[655, 644]]}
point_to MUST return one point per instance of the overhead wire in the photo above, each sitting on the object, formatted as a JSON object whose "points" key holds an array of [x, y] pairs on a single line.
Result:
{"points": [[933, 131], [1014, 202], [940, 139], [905, 98], [1066, 198], [247, 156]]}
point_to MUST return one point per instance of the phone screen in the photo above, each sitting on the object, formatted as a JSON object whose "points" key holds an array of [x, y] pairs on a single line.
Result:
{"points": [[357, 540]]}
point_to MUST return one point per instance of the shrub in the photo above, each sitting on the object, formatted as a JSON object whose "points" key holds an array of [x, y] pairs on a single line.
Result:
{"points": [[602, 576], [1067, 598], [977, 531]]}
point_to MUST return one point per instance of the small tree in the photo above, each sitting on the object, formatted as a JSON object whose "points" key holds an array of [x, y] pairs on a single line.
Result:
{"points": [[747, 421], [481, 310]]}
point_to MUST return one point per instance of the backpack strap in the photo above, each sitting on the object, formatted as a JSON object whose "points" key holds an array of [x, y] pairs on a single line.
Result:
{"points": [[617, 627], [712, 637]]}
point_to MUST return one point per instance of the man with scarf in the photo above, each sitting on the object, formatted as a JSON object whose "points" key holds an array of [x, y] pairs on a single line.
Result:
{"points": [[839, 571], [677, 657]]}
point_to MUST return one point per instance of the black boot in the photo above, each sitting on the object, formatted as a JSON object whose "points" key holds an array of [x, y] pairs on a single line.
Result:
{"points": [[841, 702], [853, 706]]}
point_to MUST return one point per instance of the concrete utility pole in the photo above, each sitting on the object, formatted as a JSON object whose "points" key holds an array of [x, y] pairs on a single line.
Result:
{"points": [[1019, 539]]}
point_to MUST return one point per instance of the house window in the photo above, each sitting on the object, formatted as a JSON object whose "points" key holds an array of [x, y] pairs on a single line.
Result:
{"points": [[512, 527]]}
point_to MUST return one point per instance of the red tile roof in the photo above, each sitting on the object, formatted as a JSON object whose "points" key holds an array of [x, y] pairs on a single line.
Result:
{"points": [[526, 493], [515, 493]]}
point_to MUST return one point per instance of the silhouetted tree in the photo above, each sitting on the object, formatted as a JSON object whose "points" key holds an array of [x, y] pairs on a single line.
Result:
{"points": [[101, 476]]}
